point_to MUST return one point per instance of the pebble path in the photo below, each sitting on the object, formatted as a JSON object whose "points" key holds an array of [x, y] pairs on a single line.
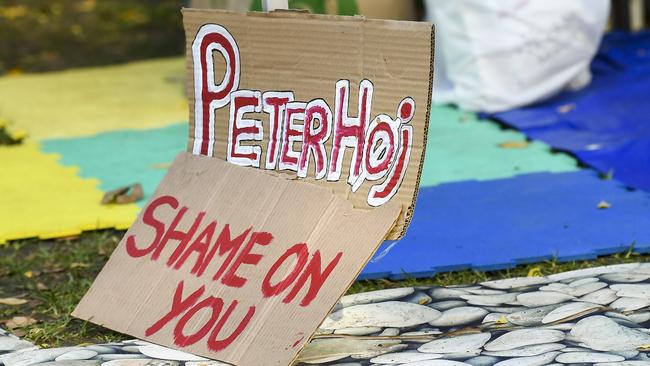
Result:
{"points": [[596, 316]]}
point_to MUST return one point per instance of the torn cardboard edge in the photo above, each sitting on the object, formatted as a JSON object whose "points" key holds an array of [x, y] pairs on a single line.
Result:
{"points": [[408, 215], [164, 254], [246, 38]]}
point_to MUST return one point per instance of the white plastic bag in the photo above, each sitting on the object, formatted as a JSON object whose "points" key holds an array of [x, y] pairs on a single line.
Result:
{"points": [[493, 55]]}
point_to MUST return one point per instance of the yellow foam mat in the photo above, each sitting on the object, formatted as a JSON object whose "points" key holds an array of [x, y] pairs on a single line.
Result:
{"points": [[41, 198], [83, 102]]}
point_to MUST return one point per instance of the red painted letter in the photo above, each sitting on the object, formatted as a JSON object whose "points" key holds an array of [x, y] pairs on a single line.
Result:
{"points": [[316, 279], [149, 219], [183, 237], [291, 133], [313, 139], [224, 244], [302, 254], [349, 131], [244, 129], [178, 306], [200, 245], [215, 305], [215, 344], [246, 257], [208, 95], [381, 193], [275, 103]]}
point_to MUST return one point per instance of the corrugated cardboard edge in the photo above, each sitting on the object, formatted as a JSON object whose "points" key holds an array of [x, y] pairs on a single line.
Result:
{"points": [[409, 213], [311, 337]]}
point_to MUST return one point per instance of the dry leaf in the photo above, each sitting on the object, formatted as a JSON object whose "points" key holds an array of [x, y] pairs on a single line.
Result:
{"points": [[41, 286], [34, 303], [12, 301], [20, 322], [604, 205], [535, 272], [19, 332], [29, 274], [513, 144], [68, 238], [566, 108], [122, 195], [79, 265]]}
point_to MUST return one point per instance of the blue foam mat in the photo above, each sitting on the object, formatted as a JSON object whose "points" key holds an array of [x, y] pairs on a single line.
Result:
{"points": [[607, 124], [498, 224]]}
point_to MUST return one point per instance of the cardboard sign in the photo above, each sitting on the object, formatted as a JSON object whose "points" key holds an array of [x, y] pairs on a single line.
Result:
{"points": [[234, 264], [339, 101], [242, 265]]}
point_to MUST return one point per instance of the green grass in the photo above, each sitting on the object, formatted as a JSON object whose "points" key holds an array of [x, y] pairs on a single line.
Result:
{"points": [[470, 276], [53, 275]]}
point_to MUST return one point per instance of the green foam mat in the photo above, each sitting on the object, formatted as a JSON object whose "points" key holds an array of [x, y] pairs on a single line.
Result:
{"points": [[123, 157], [463, 147]]}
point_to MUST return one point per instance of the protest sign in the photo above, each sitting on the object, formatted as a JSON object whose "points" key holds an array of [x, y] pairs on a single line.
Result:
{"points": [[361, 87], [288, 188], [234, 264]]}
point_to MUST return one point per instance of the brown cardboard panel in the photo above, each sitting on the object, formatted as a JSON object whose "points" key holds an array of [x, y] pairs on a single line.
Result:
{"points": [[173, 282], [313, 57]]}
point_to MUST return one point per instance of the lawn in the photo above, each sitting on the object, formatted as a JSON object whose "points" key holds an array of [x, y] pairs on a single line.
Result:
{"points": [[44, 279]]}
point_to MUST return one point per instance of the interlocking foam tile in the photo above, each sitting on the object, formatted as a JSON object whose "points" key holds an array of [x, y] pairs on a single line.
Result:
{"points": [[82, 102], [606, 124], [123, 157], [40, 198], [462, 147], [497, 224]]}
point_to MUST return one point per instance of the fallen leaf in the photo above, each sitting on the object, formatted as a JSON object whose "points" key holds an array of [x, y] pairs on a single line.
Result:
{"points": [[41, 286], [514, 144], [122, 195], [19, 333], [79, 265], [502, 320], [34, 303], [20, 322], [29, 274], [12, 301], [68, 238], [608, 176], [603, 205], [566, 108], [535, 272]]}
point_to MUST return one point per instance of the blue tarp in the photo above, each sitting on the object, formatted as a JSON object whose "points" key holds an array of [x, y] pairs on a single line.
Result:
{"points": [[498, 224], [607, 124]]}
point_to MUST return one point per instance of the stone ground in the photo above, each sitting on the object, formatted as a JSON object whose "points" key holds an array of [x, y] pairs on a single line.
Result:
{"points": [[594, 316]]}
